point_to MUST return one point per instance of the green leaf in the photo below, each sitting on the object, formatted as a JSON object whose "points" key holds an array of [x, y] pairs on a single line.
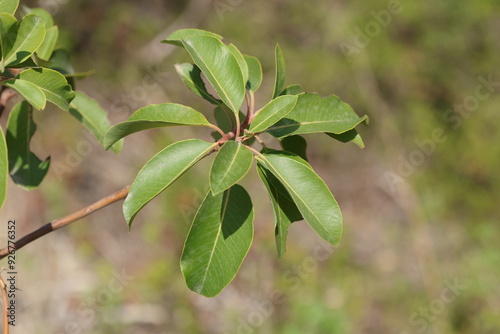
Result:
{"points": [[351, 135], [272, 113], [309, 192], [53, 84], [232, 163], [220, 68], [218, 241], [254, 73], [26, 169], [292, 90], [45, 50], [29, 91], [161, 171], [178, 36], [9, 6], [284, 209], [4, 168], [43, 14], [313, 113], [280, 72], [295, 144], [30, 33], [241, 61], [90, 114], [191, 75], [155, 116], [7, 33], [225, 119]]}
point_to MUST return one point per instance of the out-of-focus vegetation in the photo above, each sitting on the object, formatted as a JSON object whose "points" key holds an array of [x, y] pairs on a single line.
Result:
{"points": [[420, 249]]}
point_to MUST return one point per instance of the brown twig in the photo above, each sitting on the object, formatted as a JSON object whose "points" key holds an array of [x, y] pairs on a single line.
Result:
{"points": [[61, 222], [5, 302]]}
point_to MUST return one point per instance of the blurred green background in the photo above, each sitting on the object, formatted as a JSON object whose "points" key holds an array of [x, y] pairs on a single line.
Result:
{"points": [[420, 250]]}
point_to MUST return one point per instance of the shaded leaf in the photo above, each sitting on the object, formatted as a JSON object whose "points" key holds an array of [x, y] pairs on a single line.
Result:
{"points": [[30, 32], [313, 113], [7, 33], [4, 168], [351, 135], [9, 6], [272, 113], [292, 90], [191, 75], [280, 72], [308, 191], [161, 171], [254, 73], [53, 84], [284, 209], [155, 116], [176, 37], [25, 168], [218, 241], [232, 163], [295, 144], [29, 91], [90, 114], [220, 68]]}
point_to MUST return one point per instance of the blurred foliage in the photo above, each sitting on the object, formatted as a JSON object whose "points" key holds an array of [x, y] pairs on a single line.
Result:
{"points": [[409, 76]]}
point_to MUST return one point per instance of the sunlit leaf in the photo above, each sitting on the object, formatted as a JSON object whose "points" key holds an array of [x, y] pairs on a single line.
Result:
{"points": [[232, 163], [4, 168], [272, 113], [241, 61], [161, 171], [308, 191], [218, 241], [45, 50], [9, 6], [313, 113], [220, 67], [155, 116], [29, 91], [292, 90], [176, 37], [348, 136]]}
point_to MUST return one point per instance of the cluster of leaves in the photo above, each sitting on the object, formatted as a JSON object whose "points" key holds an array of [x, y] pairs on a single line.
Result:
{"points": [[222, 230], [32, 67]]}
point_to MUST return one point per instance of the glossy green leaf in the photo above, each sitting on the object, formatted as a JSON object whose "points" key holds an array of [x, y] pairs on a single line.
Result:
{"points": [[4, 168], [45, 50], [161, 171], [9, 6], [25, 168], [53, 84], [314, 113], [284, 209], [218, 241], [30, 32], [176, 37], [91, 115], [272, 113], [292, 90], [155, 116], [220, 68], [254, 73], [29, 91], [280, 72], [295, 144], [241, 61], [309, 192], [232, 163], [191, 75], [348, 136]]}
